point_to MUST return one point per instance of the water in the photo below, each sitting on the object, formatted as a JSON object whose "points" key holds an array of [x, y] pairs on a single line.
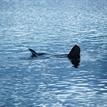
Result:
{"points": [[53, 27]]}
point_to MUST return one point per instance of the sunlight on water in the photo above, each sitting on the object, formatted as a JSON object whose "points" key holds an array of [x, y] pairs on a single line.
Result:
{"points": [[53, 27]]}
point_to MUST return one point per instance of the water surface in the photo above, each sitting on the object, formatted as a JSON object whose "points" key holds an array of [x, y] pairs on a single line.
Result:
{"points": [[53, 27]]}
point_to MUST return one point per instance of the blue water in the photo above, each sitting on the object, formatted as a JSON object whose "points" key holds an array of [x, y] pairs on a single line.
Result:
{"points": [[54, 27]]}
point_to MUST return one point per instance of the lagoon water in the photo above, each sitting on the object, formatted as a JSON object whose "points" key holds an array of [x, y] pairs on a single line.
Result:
{"points": [[54, 27]]}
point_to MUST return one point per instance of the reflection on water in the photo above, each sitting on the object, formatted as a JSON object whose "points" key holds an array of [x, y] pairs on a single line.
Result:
{"points": [[47, 27], [75, 62]]}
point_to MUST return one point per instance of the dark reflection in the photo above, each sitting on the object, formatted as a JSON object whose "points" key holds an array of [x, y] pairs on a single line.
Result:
{"points": [[74, 56], [75, 62]]}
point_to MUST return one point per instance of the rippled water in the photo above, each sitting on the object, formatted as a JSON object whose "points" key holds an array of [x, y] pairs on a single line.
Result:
{"points": [[53, 27]]}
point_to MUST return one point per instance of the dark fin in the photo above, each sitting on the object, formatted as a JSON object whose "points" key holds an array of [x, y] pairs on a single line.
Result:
{"points": [[74, 56], [74, 53], [34, 54]]}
